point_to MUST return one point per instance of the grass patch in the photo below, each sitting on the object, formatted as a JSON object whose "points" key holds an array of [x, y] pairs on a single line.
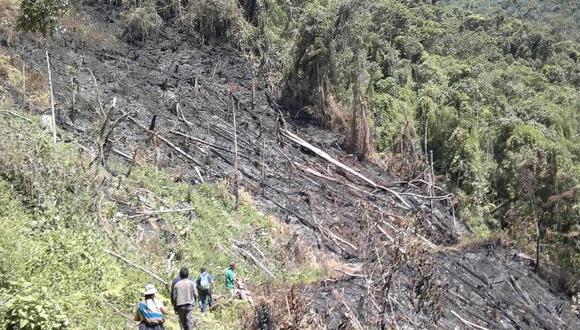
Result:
{"points": [[59, 214], [205, 236], [30, 81], [55, 273]]}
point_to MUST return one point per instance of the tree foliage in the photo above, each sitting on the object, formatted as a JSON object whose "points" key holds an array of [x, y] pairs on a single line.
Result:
{"points": [[41, 15], [493, 89]]}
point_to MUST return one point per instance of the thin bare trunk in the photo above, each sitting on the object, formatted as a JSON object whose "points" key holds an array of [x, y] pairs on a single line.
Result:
{"points": [[360, 133], [236, 186], [253, 84], [431, 182], [23, 79], [538, 239], [425, 140], [51, 99]]}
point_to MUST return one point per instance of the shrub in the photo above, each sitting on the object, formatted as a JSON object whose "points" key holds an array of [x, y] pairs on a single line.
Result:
{"points": [[41, 15], [142, 23], [217, 19]]}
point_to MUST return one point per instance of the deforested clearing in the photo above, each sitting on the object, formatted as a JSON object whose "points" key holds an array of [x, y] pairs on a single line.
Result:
{"points": [[352, 164]]}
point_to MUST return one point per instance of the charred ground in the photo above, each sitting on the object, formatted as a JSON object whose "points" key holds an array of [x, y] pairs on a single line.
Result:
{"points": [[396, 265]]}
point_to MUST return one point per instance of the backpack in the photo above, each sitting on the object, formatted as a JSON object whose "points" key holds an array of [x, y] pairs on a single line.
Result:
{"points": [[204, 281], [150, 317]]}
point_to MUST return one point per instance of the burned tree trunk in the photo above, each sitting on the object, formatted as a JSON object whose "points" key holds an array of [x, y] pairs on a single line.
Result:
{"points": [[249, 7], [360, 132]]}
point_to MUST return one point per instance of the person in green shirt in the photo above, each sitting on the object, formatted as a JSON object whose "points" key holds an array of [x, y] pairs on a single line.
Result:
{"points": [[231, 279]]}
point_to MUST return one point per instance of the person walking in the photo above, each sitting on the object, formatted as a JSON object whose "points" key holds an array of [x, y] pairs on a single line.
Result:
{"points": [[231, 280], [236, 287], [204, 285], [151, 311], [183, 298], [173, 282]]}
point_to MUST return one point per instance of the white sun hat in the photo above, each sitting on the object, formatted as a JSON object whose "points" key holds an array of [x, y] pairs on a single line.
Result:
{"points": [[149, 289]]}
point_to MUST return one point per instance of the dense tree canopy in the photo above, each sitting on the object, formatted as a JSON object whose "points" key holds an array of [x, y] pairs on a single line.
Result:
{"points": [[496, 99]]}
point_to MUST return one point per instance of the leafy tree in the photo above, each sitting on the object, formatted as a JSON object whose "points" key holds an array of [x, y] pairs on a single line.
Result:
{"points": [[494, 97], [41, 15]]}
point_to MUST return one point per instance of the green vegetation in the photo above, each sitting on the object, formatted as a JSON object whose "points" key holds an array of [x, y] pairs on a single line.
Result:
{"points": [[59, 214], [53, 259], [41, 15], [491, 88], [215, 19], [142, 22], [495, 98]]}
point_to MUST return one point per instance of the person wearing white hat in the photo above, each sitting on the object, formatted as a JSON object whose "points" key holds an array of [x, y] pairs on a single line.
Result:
{"points": [[151, 311]]}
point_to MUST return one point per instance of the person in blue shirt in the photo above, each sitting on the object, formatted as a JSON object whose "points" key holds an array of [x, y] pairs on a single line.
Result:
{"points": [[151, 311], [204, 284]]}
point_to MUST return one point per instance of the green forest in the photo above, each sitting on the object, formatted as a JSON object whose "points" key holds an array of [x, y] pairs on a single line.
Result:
{"points": [[491, 89], [479, 98]]}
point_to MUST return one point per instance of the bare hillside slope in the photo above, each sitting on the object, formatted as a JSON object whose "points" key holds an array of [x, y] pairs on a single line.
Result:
{"points": [[396, 265]]}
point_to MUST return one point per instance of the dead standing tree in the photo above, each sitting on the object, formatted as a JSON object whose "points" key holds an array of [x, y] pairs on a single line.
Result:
{"points": [[236, 187], [360, 132], [51, 98]]}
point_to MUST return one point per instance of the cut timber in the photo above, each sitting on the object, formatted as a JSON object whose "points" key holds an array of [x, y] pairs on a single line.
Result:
{"points": [[122, 154], [391, 239], [293, 137], [336, 237], [254, 260], [193, 138], [51, 99], [431, 245], [131, 263], [162, 212], [470, 324], [349, 313]]}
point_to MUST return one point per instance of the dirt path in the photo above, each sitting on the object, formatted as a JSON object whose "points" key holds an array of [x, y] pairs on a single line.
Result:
{"points": [[389, 237]]}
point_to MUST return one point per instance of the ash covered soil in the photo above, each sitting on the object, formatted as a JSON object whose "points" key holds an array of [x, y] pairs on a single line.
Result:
{"points": [[399, 267]]}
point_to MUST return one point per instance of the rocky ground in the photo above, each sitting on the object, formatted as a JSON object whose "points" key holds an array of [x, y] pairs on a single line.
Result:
{"points": [[169, 100]]}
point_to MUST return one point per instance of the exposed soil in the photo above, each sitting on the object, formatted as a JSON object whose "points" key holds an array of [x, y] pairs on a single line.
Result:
{"points": [[395, 253]]}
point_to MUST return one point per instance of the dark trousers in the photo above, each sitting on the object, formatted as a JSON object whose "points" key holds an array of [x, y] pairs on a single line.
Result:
{"points": [[204, 299], [185, 314], [143, 326]]}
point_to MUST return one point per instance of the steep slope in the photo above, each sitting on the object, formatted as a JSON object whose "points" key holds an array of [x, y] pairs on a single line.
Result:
{"points": [[390, 241]]}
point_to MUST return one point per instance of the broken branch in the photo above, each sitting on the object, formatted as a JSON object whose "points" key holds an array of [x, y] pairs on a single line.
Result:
{"points": [[131, 263], [293, 137], [171, 145], [471, 324], [254, 260]]}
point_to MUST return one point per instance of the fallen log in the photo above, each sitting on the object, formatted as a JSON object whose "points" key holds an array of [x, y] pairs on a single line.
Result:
{"points": [[293, 137], [131, 263], [254, 260], [16, 115], [193, 138], [161, 212], [470, 324], [122, 154], [432, 198]]}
